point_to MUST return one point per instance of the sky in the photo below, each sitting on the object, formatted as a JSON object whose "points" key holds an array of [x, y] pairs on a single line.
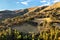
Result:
{"points": [[23, 4]]}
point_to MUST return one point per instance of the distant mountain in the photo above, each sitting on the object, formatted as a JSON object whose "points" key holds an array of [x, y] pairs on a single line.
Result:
{"points": [[10, 14]]}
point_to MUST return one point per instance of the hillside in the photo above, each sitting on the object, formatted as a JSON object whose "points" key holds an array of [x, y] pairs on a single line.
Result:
{"points": [[36, 23], [32, 16], [10, 14]]}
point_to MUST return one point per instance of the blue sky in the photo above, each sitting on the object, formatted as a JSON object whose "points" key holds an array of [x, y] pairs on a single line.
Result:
{"points": [[22, 4]]}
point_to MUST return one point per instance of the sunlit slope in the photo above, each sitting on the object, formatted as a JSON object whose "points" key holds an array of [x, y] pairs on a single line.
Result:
{"points": [[33, 14], [54, 6]]}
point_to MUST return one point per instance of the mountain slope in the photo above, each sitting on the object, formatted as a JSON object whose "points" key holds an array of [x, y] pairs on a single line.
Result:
{"points": [[46, 13], [10, 14], [54, 6]]}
